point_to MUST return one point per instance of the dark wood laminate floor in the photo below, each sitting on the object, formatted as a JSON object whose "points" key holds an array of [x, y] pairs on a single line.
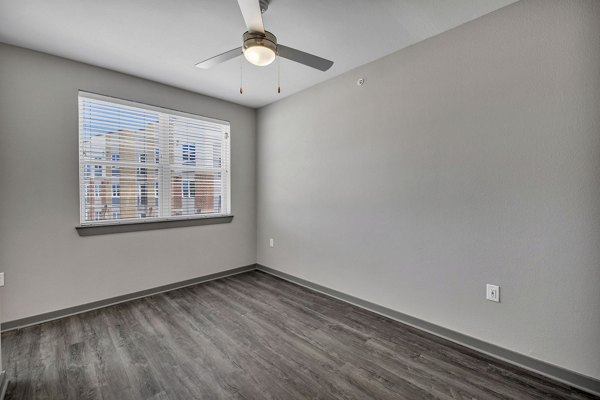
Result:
{"points": [[252, 336]]}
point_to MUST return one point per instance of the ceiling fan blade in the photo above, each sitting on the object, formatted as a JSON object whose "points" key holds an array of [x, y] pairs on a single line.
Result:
{"points": [[252, 15], [304, 58], [228, 55]]}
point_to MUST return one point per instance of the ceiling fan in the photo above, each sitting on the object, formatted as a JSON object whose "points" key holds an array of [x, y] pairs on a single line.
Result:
{"points": [[259, 46]]}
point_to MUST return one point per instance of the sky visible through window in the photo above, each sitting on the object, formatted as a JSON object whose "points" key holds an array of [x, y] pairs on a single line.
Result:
{"points": [[103, 119]]}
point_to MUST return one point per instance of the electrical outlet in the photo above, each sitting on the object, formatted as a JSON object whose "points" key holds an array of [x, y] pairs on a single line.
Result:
{"points": [[492, 293], [1, 279], [271, 242]]}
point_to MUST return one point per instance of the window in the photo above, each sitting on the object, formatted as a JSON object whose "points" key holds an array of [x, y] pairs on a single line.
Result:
{"points": [[143, 195], [188, 189], [115, 169], [156, 194], [158, 164], [116, 195], [142, 171], [188, 154]]}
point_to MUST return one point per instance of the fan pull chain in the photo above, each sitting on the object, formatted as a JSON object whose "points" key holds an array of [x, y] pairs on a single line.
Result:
{"points": [[278, 74], [241, 75]]}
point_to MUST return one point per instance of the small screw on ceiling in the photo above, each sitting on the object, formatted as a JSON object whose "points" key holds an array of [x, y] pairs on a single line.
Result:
{"points": [[360, 82]]}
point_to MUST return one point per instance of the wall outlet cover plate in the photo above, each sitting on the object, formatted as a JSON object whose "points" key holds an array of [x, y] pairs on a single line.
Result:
{"points": [[492, 293]]}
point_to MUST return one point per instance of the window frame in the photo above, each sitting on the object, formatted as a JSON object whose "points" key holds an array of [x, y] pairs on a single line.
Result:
{"points": [[165, 170]]}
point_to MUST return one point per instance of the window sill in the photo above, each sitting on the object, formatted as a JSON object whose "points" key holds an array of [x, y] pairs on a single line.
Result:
{"points": [[91, 230]]}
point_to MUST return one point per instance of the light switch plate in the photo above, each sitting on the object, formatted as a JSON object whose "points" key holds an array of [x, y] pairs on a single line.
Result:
{"points": [[1, 279]]}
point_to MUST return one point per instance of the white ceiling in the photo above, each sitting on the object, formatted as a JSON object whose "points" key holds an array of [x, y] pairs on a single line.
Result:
{"points": [[162, 40]]}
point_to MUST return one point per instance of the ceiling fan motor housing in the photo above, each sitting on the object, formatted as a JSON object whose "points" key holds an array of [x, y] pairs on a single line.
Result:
{"points": [[264, 5], [266, 39]]}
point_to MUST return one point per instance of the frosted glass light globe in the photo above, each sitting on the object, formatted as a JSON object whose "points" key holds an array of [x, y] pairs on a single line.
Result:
{"points": [[259, 55]]}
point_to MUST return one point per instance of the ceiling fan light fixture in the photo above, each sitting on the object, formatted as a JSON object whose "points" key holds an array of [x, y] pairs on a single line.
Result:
{"points": [[259, 55], [260, 49]]}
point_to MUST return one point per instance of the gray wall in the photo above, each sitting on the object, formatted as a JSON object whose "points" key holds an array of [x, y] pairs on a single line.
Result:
{"points": [[469, 158], [48, 266]]}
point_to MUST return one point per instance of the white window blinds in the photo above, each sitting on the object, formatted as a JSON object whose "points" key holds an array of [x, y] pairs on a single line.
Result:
{"points": [[139, 162]]}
